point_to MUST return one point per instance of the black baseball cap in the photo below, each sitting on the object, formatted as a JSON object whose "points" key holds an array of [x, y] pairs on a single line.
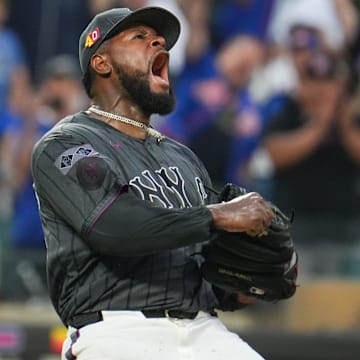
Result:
{"points": [[110, 22]]}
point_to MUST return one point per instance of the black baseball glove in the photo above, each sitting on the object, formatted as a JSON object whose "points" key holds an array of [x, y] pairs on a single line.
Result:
{"points": [[262, 266]]}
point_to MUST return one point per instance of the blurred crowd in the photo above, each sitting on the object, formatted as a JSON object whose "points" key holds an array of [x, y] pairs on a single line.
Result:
{"points": [[267, 95]]}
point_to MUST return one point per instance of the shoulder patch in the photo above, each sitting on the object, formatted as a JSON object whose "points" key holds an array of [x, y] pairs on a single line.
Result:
{"points": [[91, 172], [69, 157]]}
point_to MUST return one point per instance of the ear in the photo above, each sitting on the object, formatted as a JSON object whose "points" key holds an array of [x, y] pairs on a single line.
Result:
{"points": [[100, 64]]}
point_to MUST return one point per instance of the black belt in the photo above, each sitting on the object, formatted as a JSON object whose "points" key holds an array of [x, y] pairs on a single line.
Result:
{"points": [[178, 314], [78, 321]]}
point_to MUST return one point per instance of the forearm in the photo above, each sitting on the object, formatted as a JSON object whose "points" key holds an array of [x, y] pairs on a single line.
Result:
{"points": [[125, 225], [288, 148], [129, 226]]}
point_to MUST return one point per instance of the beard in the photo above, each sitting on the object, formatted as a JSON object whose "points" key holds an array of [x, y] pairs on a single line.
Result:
{"points": [[138, 88]]}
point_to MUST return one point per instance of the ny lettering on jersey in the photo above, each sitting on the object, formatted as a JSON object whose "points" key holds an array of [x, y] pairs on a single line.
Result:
{"points": [[166, 187]]}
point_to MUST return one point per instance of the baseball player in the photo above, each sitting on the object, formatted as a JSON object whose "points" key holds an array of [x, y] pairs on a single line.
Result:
{"points": [[125, 210]]}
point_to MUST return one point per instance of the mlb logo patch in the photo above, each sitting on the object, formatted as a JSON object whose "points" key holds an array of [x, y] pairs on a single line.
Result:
{"points": [[92, 38]]}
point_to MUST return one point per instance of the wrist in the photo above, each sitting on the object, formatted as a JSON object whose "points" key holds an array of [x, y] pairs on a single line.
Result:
{"points": [[216, 214]]}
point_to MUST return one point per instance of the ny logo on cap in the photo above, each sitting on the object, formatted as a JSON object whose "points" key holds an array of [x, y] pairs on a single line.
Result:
{"points": [[92, 38]]}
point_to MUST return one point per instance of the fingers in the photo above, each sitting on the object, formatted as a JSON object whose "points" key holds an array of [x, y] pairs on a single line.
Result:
{"points": [[258, 233], [260, 215], [249, 213]]}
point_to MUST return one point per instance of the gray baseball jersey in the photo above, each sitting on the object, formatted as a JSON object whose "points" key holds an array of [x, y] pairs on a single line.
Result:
{"points": [[123, 218]]}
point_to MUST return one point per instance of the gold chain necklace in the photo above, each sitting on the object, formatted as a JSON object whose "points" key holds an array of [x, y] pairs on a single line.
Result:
{"points": [[149, 130]]}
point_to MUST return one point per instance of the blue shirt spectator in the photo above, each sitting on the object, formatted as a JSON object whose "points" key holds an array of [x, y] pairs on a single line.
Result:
{"points": [[25, 230], [11, 57], [5, 121], [215, 114], [241, 17]]}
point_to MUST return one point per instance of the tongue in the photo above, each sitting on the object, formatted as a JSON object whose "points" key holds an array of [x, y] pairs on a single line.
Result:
{"points": [[159, 79]]}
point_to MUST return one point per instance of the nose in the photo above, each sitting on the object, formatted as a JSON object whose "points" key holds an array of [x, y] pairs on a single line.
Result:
{"points": [[158, 41]]}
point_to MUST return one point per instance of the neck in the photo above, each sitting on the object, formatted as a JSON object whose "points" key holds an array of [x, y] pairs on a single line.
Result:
{"points": [[119, 105], [121, 120]]}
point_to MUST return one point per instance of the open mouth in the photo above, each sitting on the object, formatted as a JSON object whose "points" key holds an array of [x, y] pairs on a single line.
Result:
{"points": [[159, 68]]}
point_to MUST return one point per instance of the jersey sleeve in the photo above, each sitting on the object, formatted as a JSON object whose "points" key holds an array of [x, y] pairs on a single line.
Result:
{"points": [[84, 189]]}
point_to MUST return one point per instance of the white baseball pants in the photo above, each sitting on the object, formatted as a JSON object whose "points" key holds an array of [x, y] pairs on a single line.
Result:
{"points": [[129, 335]]}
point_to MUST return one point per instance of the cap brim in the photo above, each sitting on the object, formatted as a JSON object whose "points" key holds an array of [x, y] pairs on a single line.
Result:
{"points": [[163, 21]]}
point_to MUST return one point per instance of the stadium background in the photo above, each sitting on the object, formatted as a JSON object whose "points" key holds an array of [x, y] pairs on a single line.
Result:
{"points": [[321, 322]]}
